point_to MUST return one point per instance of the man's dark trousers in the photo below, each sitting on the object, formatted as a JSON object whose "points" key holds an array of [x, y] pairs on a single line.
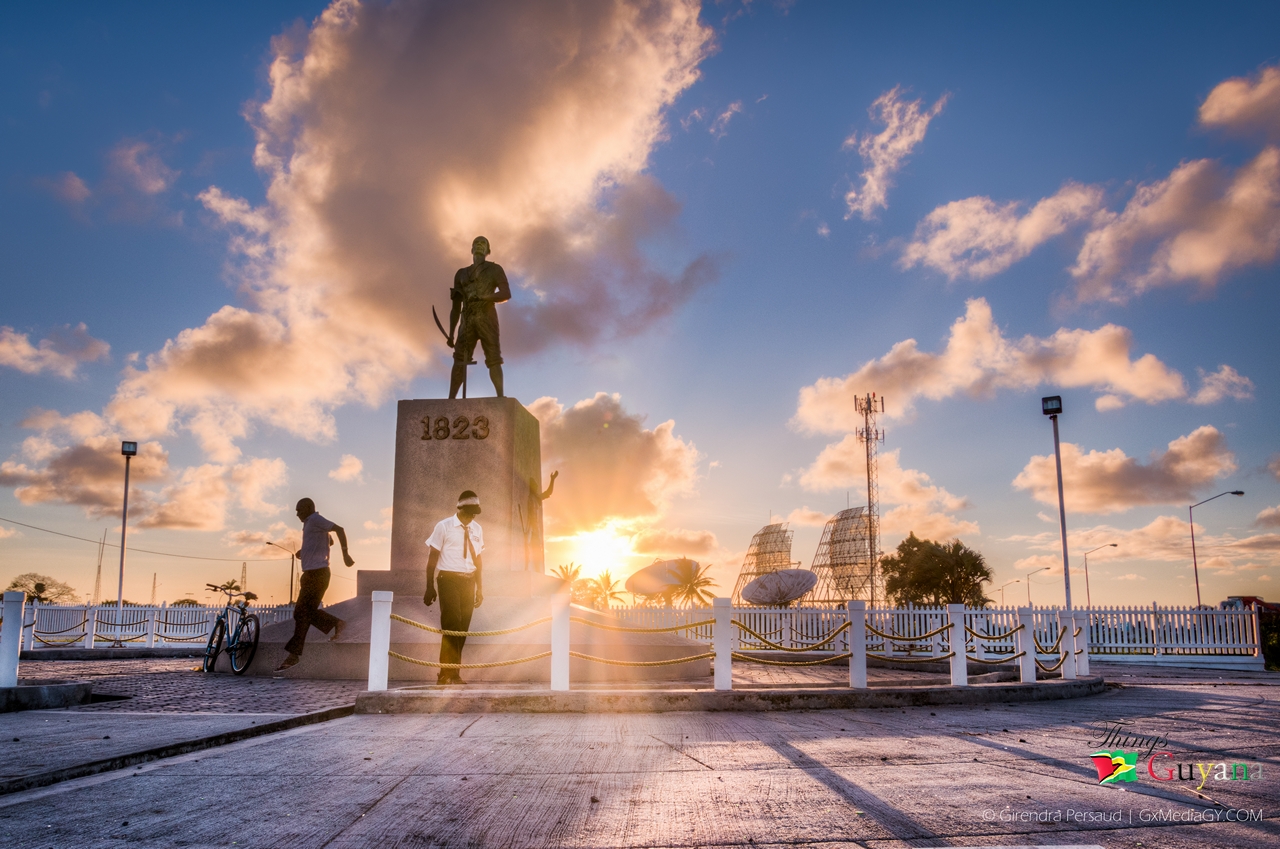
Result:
{"points": [[307, 611], [457, 603]]}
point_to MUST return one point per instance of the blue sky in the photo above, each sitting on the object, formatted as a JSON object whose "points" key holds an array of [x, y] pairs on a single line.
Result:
{"points": [[689, 233]]}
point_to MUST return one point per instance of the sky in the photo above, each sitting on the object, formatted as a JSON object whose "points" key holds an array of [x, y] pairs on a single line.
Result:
{"points": [[224, 226]]}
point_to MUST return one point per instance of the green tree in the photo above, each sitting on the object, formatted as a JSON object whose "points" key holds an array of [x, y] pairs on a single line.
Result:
{"points": [[930, 573], [607, 590], [692, 583], [567, 572], [185, 602], [43, 589]]}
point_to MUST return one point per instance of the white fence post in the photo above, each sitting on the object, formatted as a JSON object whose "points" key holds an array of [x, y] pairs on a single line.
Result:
{"points": [[1027, 645], [1081, 621], [980, 645], [857, 639], [959, 657], [151, 628], [722, 642], [90, 624], [28, 639], [11, 637], [560, 642], [1067, 650], [379, 639]]}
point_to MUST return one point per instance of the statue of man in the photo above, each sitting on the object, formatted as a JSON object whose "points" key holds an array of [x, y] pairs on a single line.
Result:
{"points": [[476, 289]]}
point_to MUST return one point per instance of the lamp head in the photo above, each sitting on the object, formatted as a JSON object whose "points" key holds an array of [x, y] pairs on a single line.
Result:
{"points": [[1052, 405], [130, 449], [1237, 492]]}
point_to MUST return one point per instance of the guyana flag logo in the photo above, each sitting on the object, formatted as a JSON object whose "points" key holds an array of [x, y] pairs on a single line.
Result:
{"points": [[1115, 766]]}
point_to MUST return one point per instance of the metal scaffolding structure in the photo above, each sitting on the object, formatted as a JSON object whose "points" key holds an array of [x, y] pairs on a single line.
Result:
{"points": [[770, 551], [844, 569]]}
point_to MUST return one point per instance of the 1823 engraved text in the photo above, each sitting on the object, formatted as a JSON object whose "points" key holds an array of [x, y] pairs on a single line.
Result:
{"points": [[461, 427]]}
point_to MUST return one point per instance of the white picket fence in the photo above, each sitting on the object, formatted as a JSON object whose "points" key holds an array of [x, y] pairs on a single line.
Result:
{"points": [[1151, 635], [150, 626]]}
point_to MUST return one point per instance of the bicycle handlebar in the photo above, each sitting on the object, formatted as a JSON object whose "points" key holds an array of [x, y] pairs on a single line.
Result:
{"points": [[248, 596]]}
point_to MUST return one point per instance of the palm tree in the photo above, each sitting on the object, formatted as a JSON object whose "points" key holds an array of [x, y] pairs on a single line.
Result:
{"points": [[691, 583], [569, 573], [607, 590], [232, 585]]}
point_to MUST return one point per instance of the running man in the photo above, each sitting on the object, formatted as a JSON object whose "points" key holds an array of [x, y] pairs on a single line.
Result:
{"points": [[314, 555], [455, 547]]}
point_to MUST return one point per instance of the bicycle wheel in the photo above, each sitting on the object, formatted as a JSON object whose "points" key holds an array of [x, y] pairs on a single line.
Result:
{"points": [[213, 648], [246, 646]]}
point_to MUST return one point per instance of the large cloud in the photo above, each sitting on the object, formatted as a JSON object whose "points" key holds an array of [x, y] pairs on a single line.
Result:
{"points": [[1111, 481], [62, 353], [978, 360], [885, 152], [613, 470], [387, 148], [919, 505]]}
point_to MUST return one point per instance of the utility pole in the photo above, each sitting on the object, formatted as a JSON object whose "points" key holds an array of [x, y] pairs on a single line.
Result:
{"points": [[129, 450], [871, 436], [1052, 407]]}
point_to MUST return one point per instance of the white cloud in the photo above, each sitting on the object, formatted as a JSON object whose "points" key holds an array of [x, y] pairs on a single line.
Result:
{"points": [[807, 516], [674, 543], [384, 525], [976, 237], [1245, 105], [1268, 518], [136, 164], [6, 533], [978, 360], [885, 152], [350, 468], [1197, 225], [1111, 481], [62, 353], [1224, 383], [720, 126]]}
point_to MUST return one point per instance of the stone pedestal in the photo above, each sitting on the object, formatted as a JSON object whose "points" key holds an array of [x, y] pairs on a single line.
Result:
{"points": [[488, 445]]}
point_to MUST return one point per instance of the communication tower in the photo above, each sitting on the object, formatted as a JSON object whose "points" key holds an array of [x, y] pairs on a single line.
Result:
{"points": [[872, 437], [97, 582], [770, 551], [244, 577]]}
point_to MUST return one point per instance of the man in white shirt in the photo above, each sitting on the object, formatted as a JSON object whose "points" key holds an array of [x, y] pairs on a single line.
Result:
{"points": [[455, 547], [314, 555]]}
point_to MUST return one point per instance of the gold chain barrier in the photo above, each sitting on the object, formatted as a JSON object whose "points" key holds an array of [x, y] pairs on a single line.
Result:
{"points": [[837, 632], [433, 664], [643, 663], [424, 627], [893, 659], [897, 638], [749, 659], [992, 637], [1053, 649], [1046, 668], [626, 630], [1000, 660]]}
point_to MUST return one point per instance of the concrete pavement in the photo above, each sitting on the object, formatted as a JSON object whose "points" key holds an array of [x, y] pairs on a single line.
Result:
{"points": [[931, 776]]}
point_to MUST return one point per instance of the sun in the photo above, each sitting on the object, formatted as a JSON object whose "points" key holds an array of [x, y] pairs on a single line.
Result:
{"points": [[600, 550]]}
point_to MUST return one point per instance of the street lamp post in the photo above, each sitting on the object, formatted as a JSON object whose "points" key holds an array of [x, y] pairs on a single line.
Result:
{"points": [[1088, 597], [129, 450], [1029, 574], [1192, 521], [1052, 407], [1014, 581], [292, 557]]}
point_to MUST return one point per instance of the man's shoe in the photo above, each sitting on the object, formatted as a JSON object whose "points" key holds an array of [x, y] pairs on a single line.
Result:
{"points": [[337, 630], [291, 660]]}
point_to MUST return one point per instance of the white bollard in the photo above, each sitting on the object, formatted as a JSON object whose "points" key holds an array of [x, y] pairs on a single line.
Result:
{"points": [[151, 628], [1067, 649], [28, 638], [1082, 642], [857, 645], [90, 625], [1026, 643], [11, 637], [722, 642], [959, 658], [560, 642], [379, 639]]}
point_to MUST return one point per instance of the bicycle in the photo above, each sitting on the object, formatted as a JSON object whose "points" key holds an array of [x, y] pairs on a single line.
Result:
{"points": [[243, 644]]}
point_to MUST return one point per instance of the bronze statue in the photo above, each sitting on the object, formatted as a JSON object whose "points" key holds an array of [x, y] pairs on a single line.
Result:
{"points": [[477, 288]]}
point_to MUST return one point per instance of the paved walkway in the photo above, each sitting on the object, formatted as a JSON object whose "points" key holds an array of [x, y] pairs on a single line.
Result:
{"points": [[943, 776]]}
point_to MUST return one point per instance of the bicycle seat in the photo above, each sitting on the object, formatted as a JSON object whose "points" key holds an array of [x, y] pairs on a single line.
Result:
{"points": [[250, 596]]}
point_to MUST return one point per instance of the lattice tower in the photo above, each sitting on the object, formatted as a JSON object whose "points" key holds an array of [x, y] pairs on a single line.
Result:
{"points": [[841, 563], [770, 551], [154, 576], [872, 437], [244, 577], [97, 582]]}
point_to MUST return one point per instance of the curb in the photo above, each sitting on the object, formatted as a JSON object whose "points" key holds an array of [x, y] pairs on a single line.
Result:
{"points": [[44, 695], [640, 701], [44, 779], [108, 654]]}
